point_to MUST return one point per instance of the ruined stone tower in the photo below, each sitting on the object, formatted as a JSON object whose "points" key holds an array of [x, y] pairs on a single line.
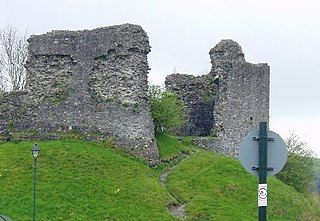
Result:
{"points": [[227, 103], [95, 82], [88, 81]]}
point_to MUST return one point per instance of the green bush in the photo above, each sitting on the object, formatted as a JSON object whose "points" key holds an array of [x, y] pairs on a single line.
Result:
{"points": [[298, 171], [166, 109]]}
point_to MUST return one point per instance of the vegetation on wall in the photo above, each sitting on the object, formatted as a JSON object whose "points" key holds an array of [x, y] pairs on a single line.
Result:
{"points": [[166, 109]]}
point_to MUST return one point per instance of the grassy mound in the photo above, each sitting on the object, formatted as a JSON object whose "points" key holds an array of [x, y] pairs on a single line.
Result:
{"points": [[80, 180], [170, 147], [215, 187]]}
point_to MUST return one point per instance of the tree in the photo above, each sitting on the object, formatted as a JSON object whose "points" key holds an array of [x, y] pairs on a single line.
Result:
{"points": [[13, 55], [298, 171], [167, 110]]}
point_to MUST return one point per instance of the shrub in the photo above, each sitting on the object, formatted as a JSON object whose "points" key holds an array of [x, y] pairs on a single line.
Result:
{"points": [[166, 109], [298, 171]]}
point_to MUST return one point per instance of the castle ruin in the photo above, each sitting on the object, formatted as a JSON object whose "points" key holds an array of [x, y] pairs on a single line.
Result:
{"points": [[227, 103], [95, 82], [88, 81]]}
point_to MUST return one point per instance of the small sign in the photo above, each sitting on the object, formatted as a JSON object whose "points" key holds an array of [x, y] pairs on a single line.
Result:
{"points": [[262, 195]]}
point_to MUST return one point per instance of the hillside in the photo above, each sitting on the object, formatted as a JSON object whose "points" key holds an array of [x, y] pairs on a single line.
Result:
{"points": [[80, 180]]}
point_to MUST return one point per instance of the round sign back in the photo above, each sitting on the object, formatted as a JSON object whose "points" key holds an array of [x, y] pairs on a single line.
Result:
{"points": [[249, 153]]}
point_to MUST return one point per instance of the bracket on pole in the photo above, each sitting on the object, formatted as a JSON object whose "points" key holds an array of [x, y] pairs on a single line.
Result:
{"points": [[257, 168], [257, 138]]}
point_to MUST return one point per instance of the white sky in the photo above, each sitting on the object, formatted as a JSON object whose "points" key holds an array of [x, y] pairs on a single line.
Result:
{"points": [[283, 33]]}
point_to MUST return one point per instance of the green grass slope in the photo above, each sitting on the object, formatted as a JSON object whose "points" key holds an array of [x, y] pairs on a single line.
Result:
{"points": [[80, 180], [215, 187], [169, 147]]}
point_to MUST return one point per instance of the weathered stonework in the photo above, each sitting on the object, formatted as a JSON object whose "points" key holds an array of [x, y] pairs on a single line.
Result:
{"points": [[198, 94], [88, 81], [95, 82], [239, 92]]}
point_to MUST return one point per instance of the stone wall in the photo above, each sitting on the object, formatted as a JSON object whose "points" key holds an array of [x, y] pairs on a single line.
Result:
{"points": [[238, 92], [88, 81], [198, 94], [96, 82]]}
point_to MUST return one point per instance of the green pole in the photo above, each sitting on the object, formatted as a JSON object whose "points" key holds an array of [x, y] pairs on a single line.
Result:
{"points": [[263, 150], [34, 189]]}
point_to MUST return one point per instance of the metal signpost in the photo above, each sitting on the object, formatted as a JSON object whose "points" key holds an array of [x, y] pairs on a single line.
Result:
{"points": [[263, 153], [262, 190]]}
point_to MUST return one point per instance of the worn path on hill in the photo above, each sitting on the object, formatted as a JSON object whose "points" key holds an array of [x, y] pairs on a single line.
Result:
{"points": [[178, 209]]}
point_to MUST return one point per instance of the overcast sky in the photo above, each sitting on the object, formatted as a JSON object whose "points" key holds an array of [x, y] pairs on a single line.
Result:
{"points": [[283, 33]]}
